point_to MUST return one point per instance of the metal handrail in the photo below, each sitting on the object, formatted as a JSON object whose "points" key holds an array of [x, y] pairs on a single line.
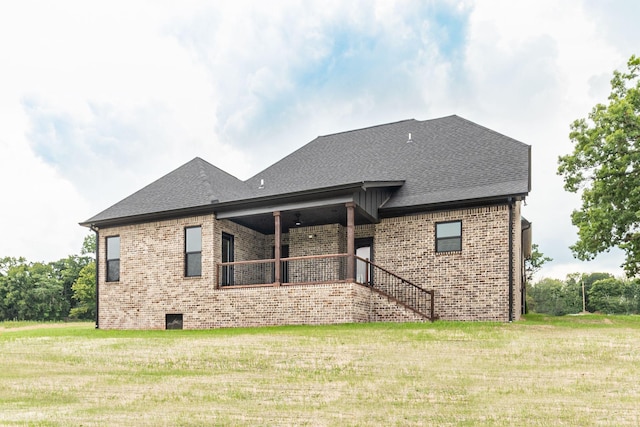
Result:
{"points": [[409, 294]]}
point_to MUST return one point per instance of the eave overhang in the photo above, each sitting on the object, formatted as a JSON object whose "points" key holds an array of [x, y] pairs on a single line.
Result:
{"points": [[255, 205], [453, 204]]}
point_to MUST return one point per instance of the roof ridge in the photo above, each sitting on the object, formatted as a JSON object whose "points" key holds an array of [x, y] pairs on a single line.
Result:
{"points": [[205, 178], [242, 183], [366, 127], [216, 167], [488, 129], [440, 118]]}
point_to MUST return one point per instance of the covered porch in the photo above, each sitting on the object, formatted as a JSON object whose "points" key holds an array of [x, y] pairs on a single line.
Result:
{"points": [[326, 240], [313, 223]]}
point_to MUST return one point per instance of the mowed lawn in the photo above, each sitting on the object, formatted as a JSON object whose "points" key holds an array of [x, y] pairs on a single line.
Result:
{"points": [[580, 370]]}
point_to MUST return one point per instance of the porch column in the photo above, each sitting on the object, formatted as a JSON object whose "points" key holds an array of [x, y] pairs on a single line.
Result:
{"points": [[276, 243], [351, 251]]}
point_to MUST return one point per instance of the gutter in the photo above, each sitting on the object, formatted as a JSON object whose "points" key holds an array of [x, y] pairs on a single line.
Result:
{"points": [[510, 202], [95, 230], [523, 287], [454, 204]]}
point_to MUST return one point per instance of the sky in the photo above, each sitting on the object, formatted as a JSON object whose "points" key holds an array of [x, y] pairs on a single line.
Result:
{"points": [[99, 99]]}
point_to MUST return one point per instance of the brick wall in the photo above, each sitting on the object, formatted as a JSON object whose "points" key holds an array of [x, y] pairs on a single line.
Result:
{"points": [[291, 304], [259, 247], [317, 240], [248, 245], [152, 281], [472, 284]]}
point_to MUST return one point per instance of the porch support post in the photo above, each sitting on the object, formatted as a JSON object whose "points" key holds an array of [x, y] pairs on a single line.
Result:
{"points": [[277, 245], [351, 251]]}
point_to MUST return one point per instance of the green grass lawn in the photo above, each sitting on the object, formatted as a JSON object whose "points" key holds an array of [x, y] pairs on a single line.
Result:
{"points": [[579, 370]]}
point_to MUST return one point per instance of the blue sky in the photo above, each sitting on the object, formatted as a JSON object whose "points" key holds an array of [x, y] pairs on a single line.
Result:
{"points": [[98, 99]]}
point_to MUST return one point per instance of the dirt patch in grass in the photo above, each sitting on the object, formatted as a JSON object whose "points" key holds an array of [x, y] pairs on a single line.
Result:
{"points": [[29, 326]]}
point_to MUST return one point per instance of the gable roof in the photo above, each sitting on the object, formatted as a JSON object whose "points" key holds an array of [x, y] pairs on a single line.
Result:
{"points": [[437, 161], [196, 183]]}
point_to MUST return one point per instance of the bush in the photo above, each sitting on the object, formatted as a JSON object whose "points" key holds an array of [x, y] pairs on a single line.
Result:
{"points": [[555, 297], [604, 293], [614, 296]]}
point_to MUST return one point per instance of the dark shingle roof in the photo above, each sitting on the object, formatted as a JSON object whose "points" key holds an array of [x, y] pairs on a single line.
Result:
{"points": [[196, 183], [447, 160]]}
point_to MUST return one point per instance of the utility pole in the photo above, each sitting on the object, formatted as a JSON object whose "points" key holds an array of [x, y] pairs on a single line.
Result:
{"points": [[584, 298]]}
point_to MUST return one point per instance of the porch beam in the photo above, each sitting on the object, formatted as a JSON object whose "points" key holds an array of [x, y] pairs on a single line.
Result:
{"points": [[235, 213], [277, 246], [351, 245]]}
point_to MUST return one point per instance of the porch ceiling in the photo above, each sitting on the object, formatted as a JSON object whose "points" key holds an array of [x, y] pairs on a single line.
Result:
{"points": [[331, 214]]}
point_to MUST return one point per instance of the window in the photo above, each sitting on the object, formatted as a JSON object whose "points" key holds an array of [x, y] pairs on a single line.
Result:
{"points": [[193, 251], [113, 259], [449, 236]]}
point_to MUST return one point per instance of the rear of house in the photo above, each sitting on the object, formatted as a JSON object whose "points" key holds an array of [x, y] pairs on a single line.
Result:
{"points": [[413, 220]]}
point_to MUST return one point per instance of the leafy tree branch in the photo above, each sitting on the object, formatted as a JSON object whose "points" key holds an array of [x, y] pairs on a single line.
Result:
{"points": [[605, 168]]}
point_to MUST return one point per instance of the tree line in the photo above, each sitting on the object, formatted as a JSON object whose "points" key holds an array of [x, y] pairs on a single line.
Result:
{"points": [[594, 292], [58, 290]]}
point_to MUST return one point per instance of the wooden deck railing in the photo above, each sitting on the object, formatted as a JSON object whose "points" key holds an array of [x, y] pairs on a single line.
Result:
{"points": [[299, 270]]}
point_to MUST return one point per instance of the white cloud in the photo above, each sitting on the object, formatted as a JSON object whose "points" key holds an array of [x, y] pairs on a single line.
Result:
{"points": [[99, 99], [606, 263], [536, 67], [38, 208]]}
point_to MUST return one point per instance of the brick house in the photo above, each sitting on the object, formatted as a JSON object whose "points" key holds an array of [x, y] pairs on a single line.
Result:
{"points": [[404, 221]]}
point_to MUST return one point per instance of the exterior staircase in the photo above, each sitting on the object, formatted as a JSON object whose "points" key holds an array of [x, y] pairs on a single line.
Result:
{"points": [[399, 290]]}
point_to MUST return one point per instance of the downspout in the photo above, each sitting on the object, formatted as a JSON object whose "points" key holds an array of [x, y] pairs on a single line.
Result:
{"points": [[523, 274], [510, 202], [95, 230]]}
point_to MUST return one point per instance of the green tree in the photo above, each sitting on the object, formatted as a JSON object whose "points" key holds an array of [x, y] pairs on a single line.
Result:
{"points": [[615, 296], [7, 262], [606, 296], [555, 297], [31, 292], [605, 166], [39, 291], [89, 245], [634, 295], [67, 271], [8, 266], [578, 280], [84, 292], [535, 263]]}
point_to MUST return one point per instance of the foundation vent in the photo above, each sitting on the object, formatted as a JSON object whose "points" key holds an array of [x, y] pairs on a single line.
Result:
{"points": [[173, 321]]}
